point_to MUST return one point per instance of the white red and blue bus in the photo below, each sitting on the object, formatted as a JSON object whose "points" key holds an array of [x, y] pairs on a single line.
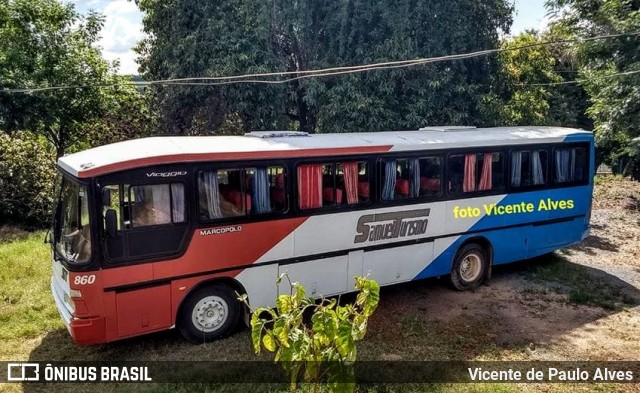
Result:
{"points": [[156, 233]]}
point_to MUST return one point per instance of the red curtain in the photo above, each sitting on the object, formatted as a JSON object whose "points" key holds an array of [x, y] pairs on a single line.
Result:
{"points": [[485, 177], [469, 183], [310, 186], [350, 170]]}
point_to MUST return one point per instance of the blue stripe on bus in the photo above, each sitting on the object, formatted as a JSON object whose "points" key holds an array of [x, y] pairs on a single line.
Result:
{"points": [[578, 138], [513, 244]]}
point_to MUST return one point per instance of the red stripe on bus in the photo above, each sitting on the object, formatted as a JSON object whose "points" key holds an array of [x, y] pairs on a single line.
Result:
{"points": [[210, 251], [176, 158]]}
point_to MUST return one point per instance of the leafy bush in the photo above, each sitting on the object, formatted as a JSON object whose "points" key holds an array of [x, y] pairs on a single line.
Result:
{"points": [[325, 346], [27, 173]]}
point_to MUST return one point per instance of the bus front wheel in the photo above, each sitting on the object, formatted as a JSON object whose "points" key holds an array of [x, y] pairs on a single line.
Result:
{"points": [[469, 267], [210, 313]]}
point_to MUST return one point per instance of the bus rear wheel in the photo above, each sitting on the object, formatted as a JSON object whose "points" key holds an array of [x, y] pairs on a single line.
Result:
{"points": [[210, 313], [469, 267]]}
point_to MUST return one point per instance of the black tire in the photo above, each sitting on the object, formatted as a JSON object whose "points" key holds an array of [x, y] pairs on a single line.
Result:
{"points": [[210, 313], [469, 267]]}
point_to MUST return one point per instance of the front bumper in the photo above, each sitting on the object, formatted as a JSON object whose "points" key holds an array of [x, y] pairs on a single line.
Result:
{"points": [[84, 331], [62, 309]]}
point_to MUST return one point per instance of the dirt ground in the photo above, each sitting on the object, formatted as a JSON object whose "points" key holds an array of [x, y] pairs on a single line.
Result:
{"points": [[580, 303]]}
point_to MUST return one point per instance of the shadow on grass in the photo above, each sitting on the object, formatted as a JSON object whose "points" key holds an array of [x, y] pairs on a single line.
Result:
{"points": [[526, 303], [632, 203], [10, 233], [583, 285], [592, 244]]}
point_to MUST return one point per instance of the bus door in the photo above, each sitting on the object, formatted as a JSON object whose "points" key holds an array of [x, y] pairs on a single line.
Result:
{"points": [[142, 224], [143, 221]]}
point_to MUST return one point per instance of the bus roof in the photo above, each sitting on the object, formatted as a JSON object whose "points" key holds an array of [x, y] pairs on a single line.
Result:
{"points": [[144, 152]]}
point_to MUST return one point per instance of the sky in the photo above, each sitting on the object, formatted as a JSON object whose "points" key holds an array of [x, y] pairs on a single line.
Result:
{"points": [[123, 26]]}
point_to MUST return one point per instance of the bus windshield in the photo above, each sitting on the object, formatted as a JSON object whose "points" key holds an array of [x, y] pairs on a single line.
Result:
{"points": [[72, 236]]}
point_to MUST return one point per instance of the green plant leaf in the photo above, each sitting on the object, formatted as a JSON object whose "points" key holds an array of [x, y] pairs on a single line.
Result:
{"points": [[359, 326], [369, 295], [373, 298], [341, 378], [327, 344], [284, 304], [344, 338], [281, 331], [324, 324], [299, 292], [311, 371], [268, 342], [257, 324], [294, 370]]}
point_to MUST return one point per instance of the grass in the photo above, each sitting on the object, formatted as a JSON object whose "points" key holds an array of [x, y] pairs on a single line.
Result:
{"points": [[600, 180], [578, 284], [30, 328], [386, 388], [26, 308]]}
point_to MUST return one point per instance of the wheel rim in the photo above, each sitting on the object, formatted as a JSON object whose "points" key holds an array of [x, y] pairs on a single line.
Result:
{"points": [[210, 313], [470, 267]]}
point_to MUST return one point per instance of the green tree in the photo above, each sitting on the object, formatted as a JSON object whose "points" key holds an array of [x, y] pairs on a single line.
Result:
{"points": [[614, 100], [408, 98], [525, 98], [201, 38], [568, 102], [127, 115], [530, 87], [304, 35], [190, 38], [45, 43], [26, 180]]}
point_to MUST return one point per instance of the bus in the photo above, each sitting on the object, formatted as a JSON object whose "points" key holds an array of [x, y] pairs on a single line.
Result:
{"points": [[156, 233]]}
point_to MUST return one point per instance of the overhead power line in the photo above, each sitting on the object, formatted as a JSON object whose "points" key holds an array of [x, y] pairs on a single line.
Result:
{"points": [[305, 74], [579, 80]]}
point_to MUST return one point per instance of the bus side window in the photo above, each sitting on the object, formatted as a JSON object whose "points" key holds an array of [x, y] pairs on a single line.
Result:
{"points": [[113, 203], [333, 184], [473, 172], [390, 173], [310, 186], [570, 164], [455, 174], [237, 192], [405, 178], [222, 193], [277, 188], [528, 168], [331, 192], [352, 182], [363, 183], [495, 166], [402, 187], [157, 204], [429, 176], [266, 188]]}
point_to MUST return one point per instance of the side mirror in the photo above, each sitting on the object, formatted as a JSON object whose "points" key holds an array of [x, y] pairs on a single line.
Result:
{"points": [[110, 220], [106, 196]]}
